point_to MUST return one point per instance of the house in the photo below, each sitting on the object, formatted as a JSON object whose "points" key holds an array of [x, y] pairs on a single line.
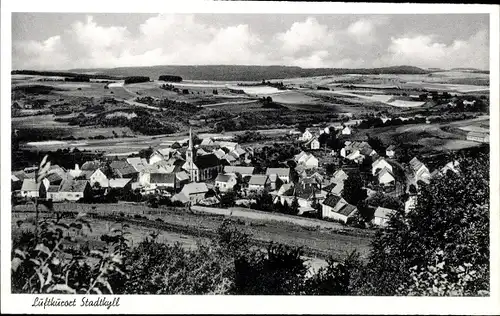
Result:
{"points": [[346, 131], [91, 165], [282, 173], [340, 175], [73, 190], [410, 203], [75, 172], [385, 176], [275, 181], [480, 137], [15, 182], [219, 153], [259, 182], [207, 142], [363, 148], [306, 136], [335, 187], [225, 182], [201, 168], [230, 146], [53, 193], [123, 169], [308, 160], [336, 208], [244, 171], [380, 163], [194, 192], [307, 195], [420, 171], [182, 178], [137, 162], [31, 189], [121, 185], [382, 215], [313, 143], [355, 156], [95, 176], [452, 166], [54, 178], [390, 151], [162, 181]]}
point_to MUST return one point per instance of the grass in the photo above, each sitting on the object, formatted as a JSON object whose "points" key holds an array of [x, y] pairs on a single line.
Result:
{"points": [[181, 224]]}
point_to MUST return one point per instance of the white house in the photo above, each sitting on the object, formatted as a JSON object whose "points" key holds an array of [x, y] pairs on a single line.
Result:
{"points": [[162, 181], [420, 171], [259, 182], [195, 192], [381, 216], [390, 151], [380, 163], [244, 171], [308, 160], [282, 173], [385, 176], [306, 136], [30, 188], [73, 190], [346, 130], [225, 182], [451, 166], [96, 176], [335, 207], [340, 175], [314, 144], [410, 203]]}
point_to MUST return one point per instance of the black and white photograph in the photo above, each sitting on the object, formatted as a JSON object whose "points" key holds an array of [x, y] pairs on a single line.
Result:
{"points": [[249, 154]]}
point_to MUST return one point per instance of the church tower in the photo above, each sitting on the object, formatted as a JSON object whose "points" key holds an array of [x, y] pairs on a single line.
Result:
{"points": [[191, 157]]}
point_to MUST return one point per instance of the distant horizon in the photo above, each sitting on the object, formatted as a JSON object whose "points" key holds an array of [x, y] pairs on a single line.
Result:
{"points": [[241, 65]]}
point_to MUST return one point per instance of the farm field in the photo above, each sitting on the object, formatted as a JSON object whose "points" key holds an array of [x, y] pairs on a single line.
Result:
{"points": [[317, 242]]}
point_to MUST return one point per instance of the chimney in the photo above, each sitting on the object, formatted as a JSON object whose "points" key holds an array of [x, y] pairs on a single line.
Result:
{"points": [[77, 167]]}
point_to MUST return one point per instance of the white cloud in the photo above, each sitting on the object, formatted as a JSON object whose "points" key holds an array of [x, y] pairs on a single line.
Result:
{"points": [[307, 34], [182, 39], [427, 51], [34, 54]]}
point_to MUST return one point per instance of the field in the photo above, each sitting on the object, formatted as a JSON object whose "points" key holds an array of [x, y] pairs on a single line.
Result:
{"points": [[187, 227]]}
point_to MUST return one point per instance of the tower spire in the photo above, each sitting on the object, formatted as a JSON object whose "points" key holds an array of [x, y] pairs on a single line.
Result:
{"points": [[190, 139]]}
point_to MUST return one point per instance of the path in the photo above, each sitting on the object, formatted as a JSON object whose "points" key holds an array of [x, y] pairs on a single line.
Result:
{"points": [[252, 214]]}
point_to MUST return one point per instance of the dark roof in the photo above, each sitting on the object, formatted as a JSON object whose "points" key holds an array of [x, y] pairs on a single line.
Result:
{"points": [[73, 185], [305, 192], [53, 188], [347, 209], [332, 200], [123, 167], [91, 165], [54, 177], [223, 177], [162, 178], [207, 161]]}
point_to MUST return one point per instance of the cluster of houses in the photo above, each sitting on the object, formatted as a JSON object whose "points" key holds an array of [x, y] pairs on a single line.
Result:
{"points": [[195, 173]]}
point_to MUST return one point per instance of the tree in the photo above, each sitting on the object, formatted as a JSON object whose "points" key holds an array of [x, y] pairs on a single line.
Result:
{"points": [[228, 199], [447, 232], [353, 191], [294, 207]]}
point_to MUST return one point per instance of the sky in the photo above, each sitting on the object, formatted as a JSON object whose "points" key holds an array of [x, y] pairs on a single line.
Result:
{"points": [[60, 41]]}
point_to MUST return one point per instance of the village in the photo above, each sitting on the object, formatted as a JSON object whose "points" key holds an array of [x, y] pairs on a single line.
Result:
{"points": [[333, 176]]}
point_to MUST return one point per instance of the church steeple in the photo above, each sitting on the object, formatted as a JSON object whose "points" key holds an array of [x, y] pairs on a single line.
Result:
{"points": [[190, 157]]}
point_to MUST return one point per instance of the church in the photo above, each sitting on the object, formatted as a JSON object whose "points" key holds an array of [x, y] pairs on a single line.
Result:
{"points": [[201, 167]]}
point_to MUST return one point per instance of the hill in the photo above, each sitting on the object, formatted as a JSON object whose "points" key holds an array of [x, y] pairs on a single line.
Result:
{"points": [[243, 73]]}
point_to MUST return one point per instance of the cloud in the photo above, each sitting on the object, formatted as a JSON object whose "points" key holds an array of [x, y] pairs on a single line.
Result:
{"points": [[307, 34], [427, 51], [183, 39], [39, 54]]}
